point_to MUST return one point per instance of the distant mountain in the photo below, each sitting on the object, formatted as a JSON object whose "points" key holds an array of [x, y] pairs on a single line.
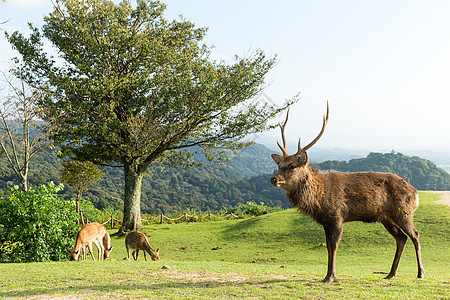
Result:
{"points": [[253, 160], [421, 173]]}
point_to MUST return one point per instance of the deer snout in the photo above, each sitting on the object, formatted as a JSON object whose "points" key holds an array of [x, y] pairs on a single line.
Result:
{"points": [[276, 181]]}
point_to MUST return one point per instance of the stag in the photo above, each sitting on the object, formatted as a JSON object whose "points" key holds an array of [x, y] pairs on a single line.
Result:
{"points": [[332, 198]]}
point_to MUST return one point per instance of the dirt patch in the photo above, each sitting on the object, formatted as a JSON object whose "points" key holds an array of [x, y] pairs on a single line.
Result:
{"points": [[445, 197], [263, 260], [203, 276]]}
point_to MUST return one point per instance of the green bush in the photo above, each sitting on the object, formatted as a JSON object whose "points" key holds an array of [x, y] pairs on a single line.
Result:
{"points": [[35, 225], [253, 209]]}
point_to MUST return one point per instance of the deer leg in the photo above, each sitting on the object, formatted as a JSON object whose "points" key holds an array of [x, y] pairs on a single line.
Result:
{"points": [[99, 245], [145, 255], [137, 254], [83, 252], [128, 251], [408, 227], [400, 238], [333, 234], [90, 250], [101, 249]]}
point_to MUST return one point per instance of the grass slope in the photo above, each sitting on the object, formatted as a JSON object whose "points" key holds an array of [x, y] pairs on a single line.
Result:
{"points": [[276, 256]]}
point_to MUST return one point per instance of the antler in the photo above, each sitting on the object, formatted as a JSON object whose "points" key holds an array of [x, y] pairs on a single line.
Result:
{"points": [[325, 122], [283, 149]]}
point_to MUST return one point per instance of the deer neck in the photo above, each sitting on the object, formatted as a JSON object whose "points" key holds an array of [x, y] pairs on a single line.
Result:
{"points": [[308, 191]]}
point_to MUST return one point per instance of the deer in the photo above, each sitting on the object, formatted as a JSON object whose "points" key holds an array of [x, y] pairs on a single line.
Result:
{"points": [[88, 234], [106, 244], [332, 198], [138, 241]]}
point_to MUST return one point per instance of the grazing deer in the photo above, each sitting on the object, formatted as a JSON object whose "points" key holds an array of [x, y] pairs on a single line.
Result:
{"points": [[90, 233], [332, 198], [138, 241], [106, 244]]}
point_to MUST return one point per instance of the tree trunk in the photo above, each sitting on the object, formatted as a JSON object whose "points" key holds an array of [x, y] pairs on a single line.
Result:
{"points": [[25, 179], [132, 201], [77, 202]]}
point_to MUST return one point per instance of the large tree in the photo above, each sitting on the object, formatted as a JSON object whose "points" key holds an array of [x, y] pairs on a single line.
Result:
{"points": [[131, 88]]}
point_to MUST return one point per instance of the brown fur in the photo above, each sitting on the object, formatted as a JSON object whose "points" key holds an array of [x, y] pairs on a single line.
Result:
{"points": [[107, 245], [332, 198], [138, 241], [91, 233]]}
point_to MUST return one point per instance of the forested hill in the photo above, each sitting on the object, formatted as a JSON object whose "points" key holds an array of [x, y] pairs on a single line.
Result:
{"points": [[421, 173], [212, 187]]}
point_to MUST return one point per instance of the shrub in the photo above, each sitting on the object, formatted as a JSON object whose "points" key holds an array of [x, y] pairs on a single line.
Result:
{"points": [[35, 225], [251, 208]]}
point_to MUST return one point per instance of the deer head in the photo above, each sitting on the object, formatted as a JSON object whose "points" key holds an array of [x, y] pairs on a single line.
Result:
{"points": [[73, 255], [292, 168], [154, 254], [106, 253]]}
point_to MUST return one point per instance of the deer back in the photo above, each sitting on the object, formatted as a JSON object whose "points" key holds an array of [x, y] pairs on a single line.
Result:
{"points": [[358, 196]]}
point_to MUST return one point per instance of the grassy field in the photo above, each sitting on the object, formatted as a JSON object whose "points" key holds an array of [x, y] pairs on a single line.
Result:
{"points": [[275, 256]]}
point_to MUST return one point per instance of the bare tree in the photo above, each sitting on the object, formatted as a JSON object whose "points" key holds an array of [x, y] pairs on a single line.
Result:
{"points": [[22, 132]]}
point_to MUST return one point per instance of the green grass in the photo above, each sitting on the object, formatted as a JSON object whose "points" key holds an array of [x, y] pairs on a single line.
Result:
{"points": [[275, 256]]}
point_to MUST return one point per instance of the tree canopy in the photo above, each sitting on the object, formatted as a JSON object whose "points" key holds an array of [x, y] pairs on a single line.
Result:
{"points": [[130, 88]]}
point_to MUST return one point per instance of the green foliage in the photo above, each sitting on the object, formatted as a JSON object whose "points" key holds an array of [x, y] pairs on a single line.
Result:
{"points": [[133, 87], [205, 188], [35, 225], [421, 173], [90, 212], [252, 209], [80, 175]]}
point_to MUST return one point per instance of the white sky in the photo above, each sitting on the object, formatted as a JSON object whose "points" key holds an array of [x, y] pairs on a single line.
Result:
{"points": [[383, 65]]}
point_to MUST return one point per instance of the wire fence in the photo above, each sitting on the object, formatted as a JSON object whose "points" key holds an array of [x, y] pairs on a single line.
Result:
{"points": [[112, 221]]}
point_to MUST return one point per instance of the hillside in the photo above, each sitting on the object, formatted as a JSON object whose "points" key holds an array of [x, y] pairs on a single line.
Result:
{"points": [[212, 187], [206, 188]]}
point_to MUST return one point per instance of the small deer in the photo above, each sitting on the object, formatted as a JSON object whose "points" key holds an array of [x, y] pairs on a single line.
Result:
{"points": [[91, 233], [332, 198], [138, 241]]}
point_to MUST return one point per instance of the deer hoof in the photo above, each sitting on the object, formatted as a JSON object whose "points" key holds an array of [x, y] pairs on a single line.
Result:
{"points": [[327, 280]]}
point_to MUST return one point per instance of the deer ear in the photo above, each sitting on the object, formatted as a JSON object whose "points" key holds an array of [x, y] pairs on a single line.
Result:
{"points": [[302, 159], [277, 158]]}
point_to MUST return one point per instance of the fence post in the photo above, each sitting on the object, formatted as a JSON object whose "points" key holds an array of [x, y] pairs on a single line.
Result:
{"points": [[112, 222], [162, 218], [185, 217]]}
